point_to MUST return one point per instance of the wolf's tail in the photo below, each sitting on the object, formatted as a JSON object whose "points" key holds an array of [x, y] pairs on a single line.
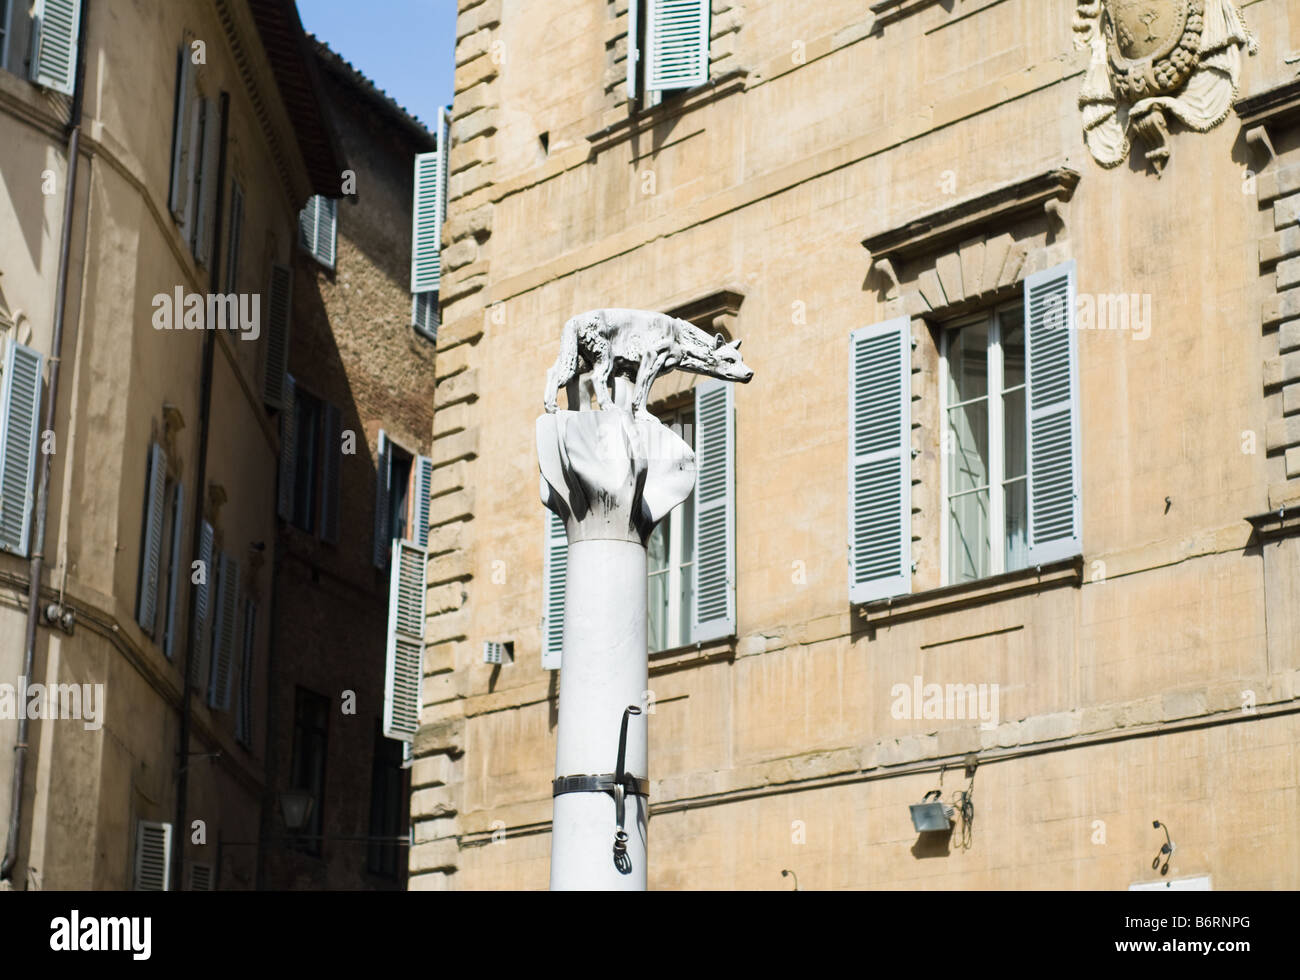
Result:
{"points": [[566, 364]]}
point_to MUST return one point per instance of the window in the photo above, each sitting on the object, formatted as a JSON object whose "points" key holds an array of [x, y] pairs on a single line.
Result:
{"points": [[387, 807], [986, 469], [318, 225], [175, 523], [195, 157], [424, 314], [236, 230], [153, 852], [244, 709], [1009, 414], [20, 406], [54, 58], [668, 47], [307, 768], [152, 535], [306, 445], [429, 211], [278, 306], [405, 642], [401, 498], [225, 632], [691, 586], [671, 559], [310, 449]]}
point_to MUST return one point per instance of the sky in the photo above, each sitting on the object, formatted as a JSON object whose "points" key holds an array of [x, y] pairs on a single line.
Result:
{"points": [[406, 47]]}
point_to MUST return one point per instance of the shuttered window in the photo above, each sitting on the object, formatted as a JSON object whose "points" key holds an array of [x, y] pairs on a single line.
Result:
{"points": [[54, 63], [318, 224], [205, 181], [244, 708], [153, 850], [421, 485], [171, 619], [20, 400], [202, 635], [178, 195], [225, 629], [879, 461], [331, 462], [151, 539], [715, 512], [200, 877], [633, 48], [402, 671], [677, 44], [555, 569], [1053, 383], [277, 335], [383, 488], [285, 489], [426, 263], [425, 315], [235, 231]]}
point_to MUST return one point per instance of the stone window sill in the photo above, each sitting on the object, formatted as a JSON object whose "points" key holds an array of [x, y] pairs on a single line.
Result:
{"points": [[692, 655], [647, 118], [933, 602]]}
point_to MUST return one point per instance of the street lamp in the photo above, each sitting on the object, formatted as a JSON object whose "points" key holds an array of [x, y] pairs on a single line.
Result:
{"points": [[295, 807]]}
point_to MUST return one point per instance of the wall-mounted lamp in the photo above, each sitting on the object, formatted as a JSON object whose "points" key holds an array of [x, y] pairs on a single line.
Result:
{"points": [[931, 813], [1166, 849]]}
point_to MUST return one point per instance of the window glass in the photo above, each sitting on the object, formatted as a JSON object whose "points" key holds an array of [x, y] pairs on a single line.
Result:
{"points": [[307, 419], [307, 770], [671, 555]]}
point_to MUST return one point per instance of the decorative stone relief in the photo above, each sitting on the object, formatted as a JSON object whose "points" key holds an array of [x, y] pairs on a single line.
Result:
{"points": [[1152, 59]]}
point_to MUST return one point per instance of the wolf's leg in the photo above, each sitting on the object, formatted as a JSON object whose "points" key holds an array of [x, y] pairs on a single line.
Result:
{"points": [[651, 365], [600, 372]]}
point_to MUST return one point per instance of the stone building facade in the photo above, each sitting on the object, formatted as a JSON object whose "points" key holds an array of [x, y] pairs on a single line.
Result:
{"points": [[1015, 485], [359, 366]]}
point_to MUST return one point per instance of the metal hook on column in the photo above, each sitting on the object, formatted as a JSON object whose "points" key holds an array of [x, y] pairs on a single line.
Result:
{"points": [[621, 860]]}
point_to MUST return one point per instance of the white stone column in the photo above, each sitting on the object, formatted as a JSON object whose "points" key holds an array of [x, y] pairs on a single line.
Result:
{"points": [[611, 478]]}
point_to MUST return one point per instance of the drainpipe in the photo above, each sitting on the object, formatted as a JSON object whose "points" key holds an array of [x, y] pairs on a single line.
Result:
{"points": [[180, 832], [43, 487]]}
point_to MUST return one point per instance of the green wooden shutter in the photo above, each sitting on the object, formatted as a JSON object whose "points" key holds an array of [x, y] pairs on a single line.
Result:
{"points": [[426, 230], [179, 191], [153, 855], [54, 60], [235, 231], [20, 399], [288, 451], [1051, 341], [880, 482], [244, 709], [677, 44], [555, 573], [224, 632], [206, 186], [172, 617], [714, 567], [421, 486], [331, 461], [633, 46], [278, 309], [318, 229], [402, 670], [383, 478], [202, 636], [151, 540]]}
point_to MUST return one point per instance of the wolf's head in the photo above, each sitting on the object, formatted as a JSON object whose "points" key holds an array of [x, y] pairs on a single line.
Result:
{"points": [[727, 362]]}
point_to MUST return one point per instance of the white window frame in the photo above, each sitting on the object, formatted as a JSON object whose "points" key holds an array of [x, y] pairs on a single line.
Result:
{"points": [[679, 619], [997, 460]]}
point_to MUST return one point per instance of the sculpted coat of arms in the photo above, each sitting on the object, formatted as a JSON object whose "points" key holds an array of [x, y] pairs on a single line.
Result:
{"points": [[1152, 59]]}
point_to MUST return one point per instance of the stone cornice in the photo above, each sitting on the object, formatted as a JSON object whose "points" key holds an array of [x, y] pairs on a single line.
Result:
{"points": [[1278, 106], [633, 123], [996, 209]]}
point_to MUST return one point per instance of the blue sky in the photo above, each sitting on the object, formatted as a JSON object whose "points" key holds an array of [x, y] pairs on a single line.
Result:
{"points": [[406, 47]]}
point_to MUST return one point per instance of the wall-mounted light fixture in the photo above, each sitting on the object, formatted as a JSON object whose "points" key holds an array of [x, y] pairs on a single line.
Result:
{"points": [[1166, 849]]}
